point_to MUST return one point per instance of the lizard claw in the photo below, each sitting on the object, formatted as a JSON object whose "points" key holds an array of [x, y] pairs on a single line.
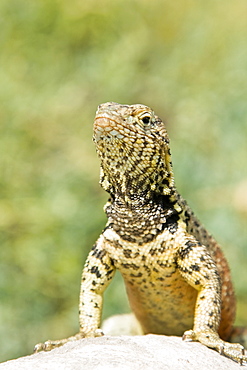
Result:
{"points": [[46, 346], [51, 344], [211, 339]]}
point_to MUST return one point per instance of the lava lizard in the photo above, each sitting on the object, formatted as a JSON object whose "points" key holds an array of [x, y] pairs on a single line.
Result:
{"points": [[175, 273]]}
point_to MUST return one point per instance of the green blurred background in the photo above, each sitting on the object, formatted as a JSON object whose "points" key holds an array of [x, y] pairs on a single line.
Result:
{"points": [[59, 59]]}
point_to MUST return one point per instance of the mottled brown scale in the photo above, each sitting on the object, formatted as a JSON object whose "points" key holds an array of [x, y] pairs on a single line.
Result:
{"points": [[175, 273]]}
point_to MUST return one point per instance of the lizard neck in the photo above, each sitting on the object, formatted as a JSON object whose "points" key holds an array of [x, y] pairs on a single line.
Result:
{"points": [[143, 219]]}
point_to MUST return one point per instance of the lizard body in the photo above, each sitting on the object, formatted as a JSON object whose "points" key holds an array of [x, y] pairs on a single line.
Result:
{"points": [[175, 273]]}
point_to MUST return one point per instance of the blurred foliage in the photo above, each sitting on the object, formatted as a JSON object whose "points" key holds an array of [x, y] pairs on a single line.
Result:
{"points": [[59, 59]]}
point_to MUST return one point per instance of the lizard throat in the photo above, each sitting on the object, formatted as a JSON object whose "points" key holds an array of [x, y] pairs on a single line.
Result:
{"points": [[143, 221], [130, 170]]}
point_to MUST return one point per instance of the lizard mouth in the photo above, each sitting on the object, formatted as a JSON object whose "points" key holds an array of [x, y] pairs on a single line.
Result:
{"points": [[106, 127], [114, 122]]}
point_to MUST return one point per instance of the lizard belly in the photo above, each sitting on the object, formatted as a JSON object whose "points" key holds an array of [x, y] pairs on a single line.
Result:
{"points": [[162, 307], [161, 299]]}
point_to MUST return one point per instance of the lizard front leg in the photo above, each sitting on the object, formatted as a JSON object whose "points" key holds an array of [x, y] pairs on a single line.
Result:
{"points": [[200, 271], [97, 274]]}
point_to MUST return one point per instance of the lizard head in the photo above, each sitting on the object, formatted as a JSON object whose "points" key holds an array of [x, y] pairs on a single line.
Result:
{"points": [[133, 146]]}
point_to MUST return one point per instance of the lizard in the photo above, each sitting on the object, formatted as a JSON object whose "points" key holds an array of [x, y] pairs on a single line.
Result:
{"points": [[176, 276]]}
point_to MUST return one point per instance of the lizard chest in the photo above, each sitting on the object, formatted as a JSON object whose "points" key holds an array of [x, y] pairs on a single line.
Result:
{"points": [[142, 261], [160, 298]]}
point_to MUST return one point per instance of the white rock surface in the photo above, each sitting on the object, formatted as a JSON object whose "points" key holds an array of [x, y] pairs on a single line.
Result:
{"points": [[126, 353]]}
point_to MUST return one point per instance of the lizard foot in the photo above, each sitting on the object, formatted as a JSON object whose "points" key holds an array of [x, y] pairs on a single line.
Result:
{"points": [[211, 339], [50, 344]]}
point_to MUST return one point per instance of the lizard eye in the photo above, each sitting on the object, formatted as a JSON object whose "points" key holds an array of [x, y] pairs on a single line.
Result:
{"points": [[146, 119]]}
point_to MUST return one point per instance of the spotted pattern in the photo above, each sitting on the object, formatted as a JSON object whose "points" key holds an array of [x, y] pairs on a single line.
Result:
{"points": [[175, 273]]}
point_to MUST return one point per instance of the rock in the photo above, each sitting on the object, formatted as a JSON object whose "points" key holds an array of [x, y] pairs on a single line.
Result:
{"points": [[143, 352], [123, 324]]}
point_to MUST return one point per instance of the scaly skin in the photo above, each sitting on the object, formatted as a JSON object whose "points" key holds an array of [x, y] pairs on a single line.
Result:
{"points": [[175, 273]]}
